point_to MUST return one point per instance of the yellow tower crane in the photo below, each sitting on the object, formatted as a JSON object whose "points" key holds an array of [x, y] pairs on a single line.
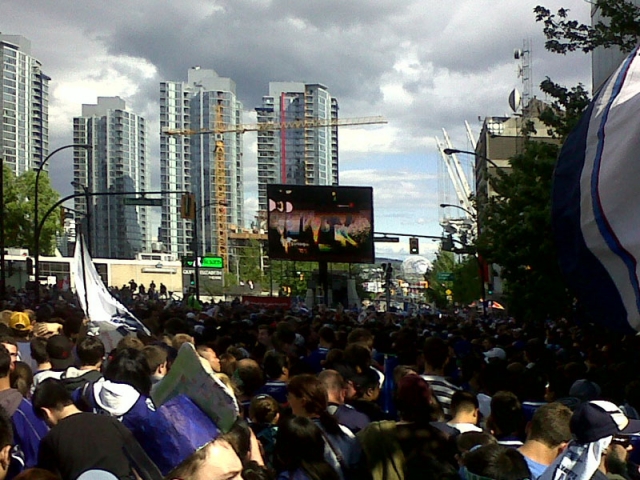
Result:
{"points": [[219, 129]]}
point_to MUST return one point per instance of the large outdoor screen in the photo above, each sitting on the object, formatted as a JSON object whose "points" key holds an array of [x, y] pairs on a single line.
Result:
{"points": [[312, 223]]}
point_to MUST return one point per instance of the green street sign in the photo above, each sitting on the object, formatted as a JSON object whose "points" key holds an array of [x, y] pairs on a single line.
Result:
{"points": [[445, 276], [143, 202], [211, 262]]}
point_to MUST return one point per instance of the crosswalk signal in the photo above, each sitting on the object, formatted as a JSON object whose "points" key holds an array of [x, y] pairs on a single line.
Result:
{"points": [[490, 288], [414, 246], [29, 266], [192, 278]]}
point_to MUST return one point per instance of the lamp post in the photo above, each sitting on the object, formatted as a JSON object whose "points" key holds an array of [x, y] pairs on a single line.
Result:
{"points": [[87, 215], [451, 151], [36, 233]]}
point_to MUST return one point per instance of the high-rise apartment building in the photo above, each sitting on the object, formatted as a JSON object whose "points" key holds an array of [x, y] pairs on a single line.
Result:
{"points": [[297, 156], [118, 163], [24, 106], [188, 162]]}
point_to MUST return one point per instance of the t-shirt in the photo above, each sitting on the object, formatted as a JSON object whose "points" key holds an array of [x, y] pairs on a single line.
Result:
{"points": [[443, 391], [535, 468], [86, 441]]}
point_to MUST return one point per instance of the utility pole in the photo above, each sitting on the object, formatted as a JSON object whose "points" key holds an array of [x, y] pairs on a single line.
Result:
{"points": [[3, 288]]}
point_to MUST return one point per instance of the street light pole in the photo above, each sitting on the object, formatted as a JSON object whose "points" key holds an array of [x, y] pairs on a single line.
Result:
{"points": [[36, 233], [87, 216], [451, 151]]}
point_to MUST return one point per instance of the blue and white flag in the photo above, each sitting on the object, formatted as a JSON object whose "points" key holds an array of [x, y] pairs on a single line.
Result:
{"points": [[100, 307], [596, 202]]}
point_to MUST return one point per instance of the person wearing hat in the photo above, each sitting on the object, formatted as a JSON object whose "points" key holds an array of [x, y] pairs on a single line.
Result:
{"points": [[60, 352], [600, 430]]}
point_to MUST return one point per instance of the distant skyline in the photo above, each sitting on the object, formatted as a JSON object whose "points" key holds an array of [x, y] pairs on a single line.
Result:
{"points": [[423, 64]]}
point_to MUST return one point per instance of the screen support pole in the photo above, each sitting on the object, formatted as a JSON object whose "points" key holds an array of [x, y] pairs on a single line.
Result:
{"points": [[323, 280]]}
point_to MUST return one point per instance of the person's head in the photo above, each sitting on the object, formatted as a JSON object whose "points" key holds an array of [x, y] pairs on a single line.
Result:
{"points": [[130, 366], [41, 474], [20, 324], [595, 420], [358, 357], [60, 351], [156, 359], [22, 378], [307, 396], [39, 350], [5, 362], [90, 352], [264, 409], [207, 352], [497, 462], [506, 417], [335, 385], [465, 404], [6, 442], [276, 365], [130, 341], [414, 399], [436, 353], [361, 336], [300, 445], [180, 339], [550, 426], [50, 400], [215, 461], [468, 440], [248, 377], [367, 385], [327, 336], [12, 347], [264, 335]]}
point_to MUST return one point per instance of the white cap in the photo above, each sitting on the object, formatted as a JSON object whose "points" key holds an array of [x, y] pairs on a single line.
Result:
{"points": [[495, 353], [97, 475]]}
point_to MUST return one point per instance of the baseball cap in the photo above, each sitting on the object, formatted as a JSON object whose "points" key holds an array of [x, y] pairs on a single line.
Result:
{"points": [[495, 353], [60, 351], [97, 475], [20, 321], [585, 390], [598, 419]]}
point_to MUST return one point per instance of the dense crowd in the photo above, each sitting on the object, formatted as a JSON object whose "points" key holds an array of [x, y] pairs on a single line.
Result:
{"points": [[322, 394]]}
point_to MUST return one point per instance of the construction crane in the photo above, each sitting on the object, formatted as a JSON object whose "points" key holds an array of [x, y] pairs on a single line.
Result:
{"points": [[219, 129]]}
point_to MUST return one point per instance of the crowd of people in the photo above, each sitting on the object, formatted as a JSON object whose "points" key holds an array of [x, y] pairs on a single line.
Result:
{"points": [[321, 394]]}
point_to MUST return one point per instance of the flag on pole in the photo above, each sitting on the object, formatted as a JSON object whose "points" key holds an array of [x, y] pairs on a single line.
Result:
{"points": [[595, 202], [99, 306]]}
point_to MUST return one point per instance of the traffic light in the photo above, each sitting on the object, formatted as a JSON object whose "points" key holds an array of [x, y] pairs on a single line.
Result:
{"points": [[414, 246], [447, 244], [490, 289], [29, 266], [188, 206], [192, 278]]}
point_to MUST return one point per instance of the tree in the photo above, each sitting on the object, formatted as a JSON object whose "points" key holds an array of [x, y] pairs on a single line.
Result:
{"points": [[19, 210], [621, 28]]}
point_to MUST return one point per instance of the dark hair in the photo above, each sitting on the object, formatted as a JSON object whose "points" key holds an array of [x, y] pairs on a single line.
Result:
{"points": [[550, 425], [467, 440], [506, 414], [239, 437], [37, 474], [300, 445], [463, 400], [6, 430], [22, 378], [5, 361], [327, 334], [413, 400], [9, 340], [359, 335], [155, 356], [274, 364], [248, 376], [263, 409], [90, 351], [436, 352], [313, 393], [367, 380], [497, 462], [51, 394], [130, 366], [39, 350], [358, 357]]}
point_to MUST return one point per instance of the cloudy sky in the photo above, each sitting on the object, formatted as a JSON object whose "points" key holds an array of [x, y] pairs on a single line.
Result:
{"points": [[423, 64]]}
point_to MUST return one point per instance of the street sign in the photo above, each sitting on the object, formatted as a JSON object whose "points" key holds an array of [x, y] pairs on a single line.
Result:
{"points": [[448, 292], [445, 276], [143, 202], [386, 239], [210, 261]]}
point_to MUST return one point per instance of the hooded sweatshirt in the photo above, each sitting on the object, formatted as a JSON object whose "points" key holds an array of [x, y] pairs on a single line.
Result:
{"points": [[28, 429], [74, 378]]}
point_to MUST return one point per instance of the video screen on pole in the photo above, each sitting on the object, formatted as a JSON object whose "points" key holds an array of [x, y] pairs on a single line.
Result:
{"points": [[317, 223]]}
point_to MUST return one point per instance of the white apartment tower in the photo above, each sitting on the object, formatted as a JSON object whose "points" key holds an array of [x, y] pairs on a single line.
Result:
{"points": [[297, 156], [24, 105], [187, 163], [117, 163]]}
